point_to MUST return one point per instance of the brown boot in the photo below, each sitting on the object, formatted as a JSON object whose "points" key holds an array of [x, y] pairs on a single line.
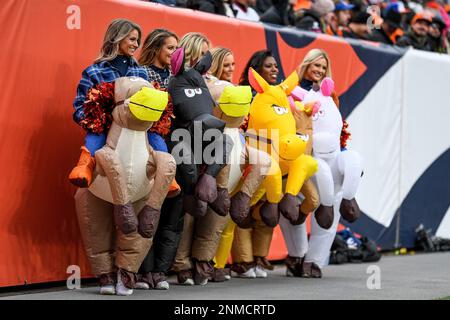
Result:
{"points": [[293, 266], [174, 189], [81, 175], [185, 277], [203, 271]]}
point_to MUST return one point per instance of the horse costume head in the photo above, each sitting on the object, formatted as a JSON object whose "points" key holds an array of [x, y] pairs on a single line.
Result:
{"points": [[232, 102], [190, 95], [138, 104], [327, 122], [271, 116]]}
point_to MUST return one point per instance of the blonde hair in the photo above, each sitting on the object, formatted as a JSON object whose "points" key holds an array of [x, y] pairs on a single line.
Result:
{"points": [[118, 30], [312, 56], [218, 56], [153, 44], [192, 44]]}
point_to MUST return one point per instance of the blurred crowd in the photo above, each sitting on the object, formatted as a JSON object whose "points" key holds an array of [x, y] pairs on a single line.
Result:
{"points": [[422, 24]]}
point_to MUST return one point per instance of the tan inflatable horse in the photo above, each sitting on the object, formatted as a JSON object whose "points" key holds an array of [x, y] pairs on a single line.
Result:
{"points": [[118, 214]]}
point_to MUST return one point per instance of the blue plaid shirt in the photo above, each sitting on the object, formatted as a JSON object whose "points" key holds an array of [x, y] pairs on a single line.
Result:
{"points": [[97, 73]]}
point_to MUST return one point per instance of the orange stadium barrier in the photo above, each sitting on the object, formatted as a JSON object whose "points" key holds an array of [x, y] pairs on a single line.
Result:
{"points": [[46, 45]]}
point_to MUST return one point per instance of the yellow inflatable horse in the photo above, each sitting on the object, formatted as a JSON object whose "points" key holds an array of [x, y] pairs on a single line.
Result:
{"points": [[272, 129]]}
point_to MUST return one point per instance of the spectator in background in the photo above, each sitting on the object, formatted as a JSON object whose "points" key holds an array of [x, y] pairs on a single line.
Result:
{"points": [[313, 19], [242, 10], [437, 39], [392, 18], [417, 36], [212, 6], [342, 11], [281, 12], [358, 28], [223, 65], [262, 6]]}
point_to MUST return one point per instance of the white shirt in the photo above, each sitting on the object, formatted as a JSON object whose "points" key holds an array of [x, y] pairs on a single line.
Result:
{"points": [[250, 15]]}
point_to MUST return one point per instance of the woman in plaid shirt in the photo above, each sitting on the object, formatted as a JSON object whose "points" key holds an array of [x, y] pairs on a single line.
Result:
{"points": [[155, 58], [122, 39]]}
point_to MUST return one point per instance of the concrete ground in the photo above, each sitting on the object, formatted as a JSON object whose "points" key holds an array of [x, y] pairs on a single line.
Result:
{"points": [[420, 276]]}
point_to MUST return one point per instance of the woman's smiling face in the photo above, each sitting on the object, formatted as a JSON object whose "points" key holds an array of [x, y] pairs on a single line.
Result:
{"points": [[317, 70]]}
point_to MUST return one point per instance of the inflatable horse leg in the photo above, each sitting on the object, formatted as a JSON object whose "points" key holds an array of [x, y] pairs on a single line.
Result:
{"points": [[221, 205], [110, 164], [258, 164], [182, 263], [269, 212], [296, 239], [207, 188], [300, 170], [325, 187], [162, 166], [310, 202], [97, 230], [187, 171], [350, 166]]}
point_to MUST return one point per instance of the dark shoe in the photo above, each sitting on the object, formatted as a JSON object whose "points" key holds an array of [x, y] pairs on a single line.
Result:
{"points": [[222, 204], [289, 207], [301, 219], [206, 188], [248, 223], [194, 206], [221, 275], [107, 278], [269, 214], [185, 277], [125, 218], [148, 221], [349, 210], [203, 271], [324, 216], [311, 270], [293, 266], [240, 207]]}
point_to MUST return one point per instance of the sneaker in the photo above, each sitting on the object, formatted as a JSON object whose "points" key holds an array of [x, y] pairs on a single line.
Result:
{"points": [[260, 273], [227, 277], [289, 273], [140, 285], [121, 289], [188, 282], [163, 285], [250, 274], [108, 289], [185, 277]]}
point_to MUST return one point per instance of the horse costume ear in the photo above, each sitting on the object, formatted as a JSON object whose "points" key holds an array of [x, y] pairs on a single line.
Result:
{"points": [[327, 86], [177, 61], [256, 81], [290, 83], [203, 65]]}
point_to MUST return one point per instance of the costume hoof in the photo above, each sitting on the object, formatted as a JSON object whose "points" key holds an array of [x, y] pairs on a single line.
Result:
{"points": [[240, 207], [289, 207], [206, 188], [194, 206], [300, 220], [248, 223], [311, 270], [269, 214], [125, 218], [324, 216], [222, 204], [349, 210], [148, 221]]}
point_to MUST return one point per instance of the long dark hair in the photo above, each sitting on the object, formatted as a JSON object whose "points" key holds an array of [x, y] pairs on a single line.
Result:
{"points": [[153, 44], [256, 62]]}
